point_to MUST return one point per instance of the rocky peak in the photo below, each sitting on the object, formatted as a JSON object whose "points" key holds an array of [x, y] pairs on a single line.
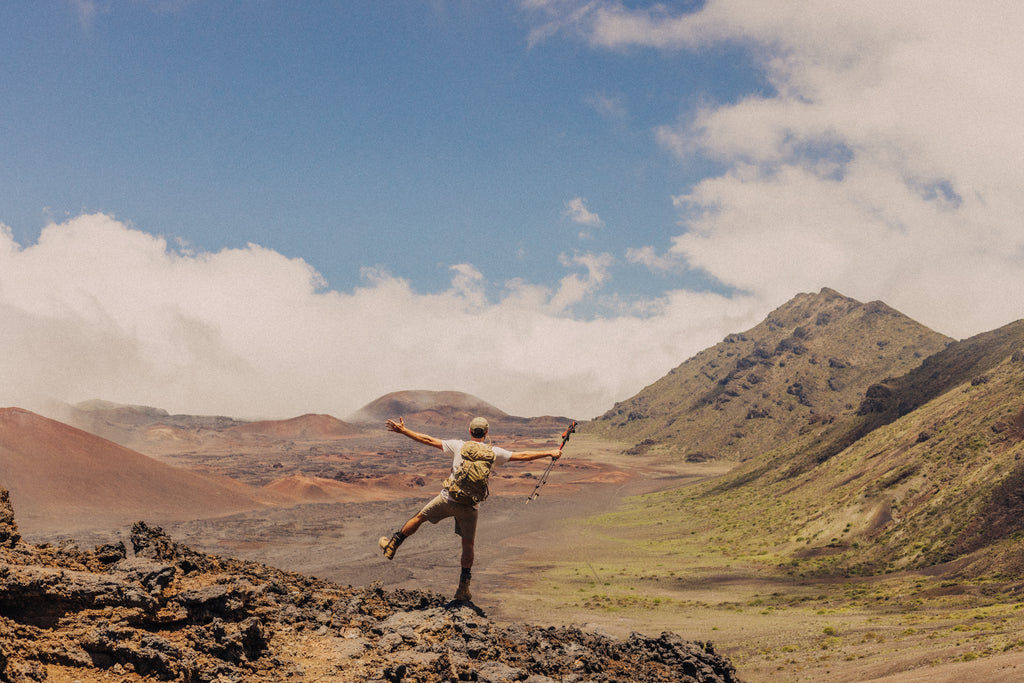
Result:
{"points": [[807, 362]]}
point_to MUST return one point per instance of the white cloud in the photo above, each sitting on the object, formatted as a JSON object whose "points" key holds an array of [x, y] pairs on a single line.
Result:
{"points": [[574, 288], [576, 210], [650, 258], [97, 309], [886, 164], [468, 283]]}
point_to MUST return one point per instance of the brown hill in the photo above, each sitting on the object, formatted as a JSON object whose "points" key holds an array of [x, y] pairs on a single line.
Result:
{"points": [[443, 408], [960, 362], [809, 362], [303, 427], [62, 478], [450, 410]]}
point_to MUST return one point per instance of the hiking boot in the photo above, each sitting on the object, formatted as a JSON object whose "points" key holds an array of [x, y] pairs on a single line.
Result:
{"points": [[463, 594], [389, 545]]}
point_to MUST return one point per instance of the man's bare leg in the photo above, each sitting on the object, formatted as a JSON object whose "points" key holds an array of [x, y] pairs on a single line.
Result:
{"points": [[413, 525]]}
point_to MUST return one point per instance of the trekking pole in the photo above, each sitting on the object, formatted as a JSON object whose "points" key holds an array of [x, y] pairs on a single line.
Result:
{"points": [[544, 477]]}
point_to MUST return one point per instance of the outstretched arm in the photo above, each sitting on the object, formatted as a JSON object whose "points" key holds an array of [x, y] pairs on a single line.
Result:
{"points": [[554, 454], [415, 436]]}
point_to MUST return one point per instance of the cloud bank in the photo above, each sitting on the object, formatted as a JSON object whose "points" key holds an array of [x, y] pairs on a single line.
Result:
{"points": [[883, 158], [99, 309]]}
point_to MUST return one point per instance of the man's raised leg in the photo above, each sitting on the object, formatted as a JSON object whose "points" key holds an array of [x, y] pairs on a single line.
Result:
{"points": [[390, 545]]}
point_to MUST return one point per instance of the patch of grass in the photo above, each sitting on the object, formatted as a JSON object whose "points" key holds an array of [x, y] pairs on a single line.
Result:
{"points": [[830, 643]]}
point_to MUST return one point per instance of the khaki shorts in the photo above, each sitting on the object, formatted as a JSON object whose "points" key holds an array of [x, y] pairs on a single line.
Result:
{"points": [[465, 515]]}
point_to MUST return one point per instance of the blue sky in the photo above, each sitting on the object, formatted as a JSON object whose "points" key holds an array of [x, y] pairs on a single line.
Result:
{"points": [[267, 208], [403, 135]]}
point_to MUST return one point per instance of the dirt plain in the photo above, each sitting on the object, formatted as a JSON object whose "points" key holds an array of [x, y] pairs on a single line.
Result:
{"points": [[561, 559]]}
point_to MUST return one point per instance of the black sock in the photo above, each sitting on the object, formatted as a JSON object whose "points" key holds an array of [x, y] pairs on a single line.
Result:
{"points": [[466, 573], [399, 537]]}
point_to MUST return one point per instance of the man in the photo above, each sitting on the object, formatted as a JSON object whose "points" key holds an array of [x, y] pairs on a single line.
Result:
{"points": [[444, 504]]}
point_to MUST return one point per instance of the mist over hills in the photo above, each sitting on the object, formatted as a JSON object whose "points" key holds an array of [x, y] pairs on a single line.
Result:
{"points": [[127, 424], [445, 410]]}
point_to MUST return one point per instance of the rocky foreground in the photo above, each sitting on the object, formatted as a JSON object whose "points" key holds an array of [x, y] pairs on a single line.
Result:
{"points": [[162, 611]]}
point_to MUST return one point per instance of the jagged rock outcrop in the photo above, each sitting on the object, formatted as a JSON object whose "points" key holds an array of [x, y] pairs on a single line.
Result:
{"points": [[162, 611], [9, 535]]}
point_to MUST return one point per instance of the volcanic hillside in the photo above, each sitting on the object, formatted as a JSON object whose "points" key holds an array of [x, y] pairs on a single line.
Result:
{"points": [[926, 472], [450, 410], [62, 478], [302, 427], [809, 362]]}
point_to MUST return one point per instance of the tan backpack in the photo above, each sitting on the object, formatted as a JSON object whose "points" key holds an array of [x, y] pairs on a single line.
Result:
{"points": [[468, 485]]}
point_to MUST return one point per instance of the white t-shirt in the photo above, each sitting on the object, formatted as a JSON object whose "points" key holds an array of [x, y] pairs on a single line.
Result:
{"points": [[453, 447]]}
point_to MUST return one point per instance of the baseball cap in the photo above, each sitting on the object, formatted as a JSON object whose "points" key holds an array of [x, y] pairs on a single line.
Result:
{"points": [[478, 424]]}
